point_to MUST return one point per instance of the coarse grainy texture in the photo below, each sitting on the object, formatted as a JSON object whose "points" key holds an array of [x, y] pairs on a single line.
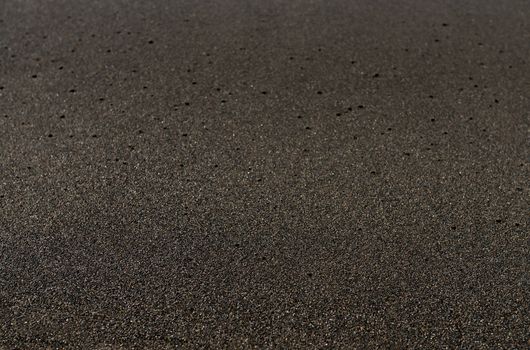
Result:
{"points": [[289, 174]]}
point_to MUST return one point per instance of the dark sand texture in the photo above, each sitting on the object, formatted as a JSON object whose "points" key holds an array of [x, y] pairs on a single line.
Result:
{"points": [[270, 174]]}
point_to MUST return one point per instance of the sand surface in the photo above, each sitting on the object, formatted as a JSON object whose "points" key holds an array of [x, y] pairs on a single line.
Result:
{"points": [[264, 174]]}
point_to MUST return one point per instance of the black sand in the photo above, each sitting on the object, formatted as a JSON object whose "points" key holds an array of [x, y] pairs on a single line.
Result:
{"points": [[268, 174]]}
